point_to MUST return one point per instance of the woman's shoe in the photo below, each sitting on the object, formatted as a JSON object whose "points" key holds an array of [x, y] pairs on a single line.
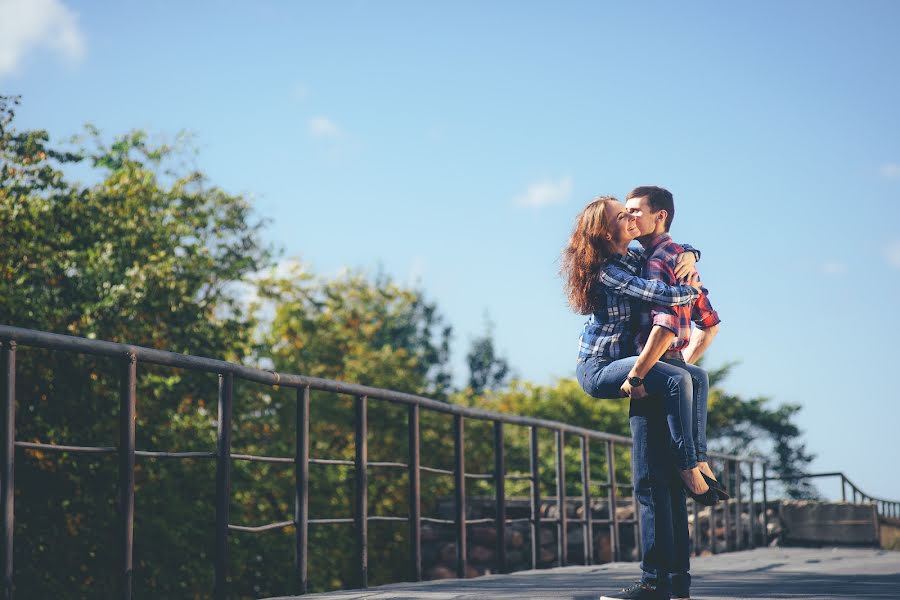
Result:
{"points": [[708, 498], [716, 485]]}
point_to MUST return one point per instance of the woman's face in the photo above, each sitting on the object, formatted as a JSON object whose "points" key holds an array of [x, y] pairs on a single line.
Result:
{"points": [[622, 225]]}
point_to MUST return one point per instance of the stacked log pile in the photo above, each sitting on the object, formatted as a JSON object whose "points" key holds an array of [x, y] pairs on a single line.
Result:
{"points": [[439, 541]]}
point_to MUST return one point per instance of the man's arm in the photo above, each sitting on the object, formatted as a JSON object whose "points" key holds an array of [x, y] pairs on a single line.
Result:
{"points": [[700, 341], [707, 322], [659, 341]]}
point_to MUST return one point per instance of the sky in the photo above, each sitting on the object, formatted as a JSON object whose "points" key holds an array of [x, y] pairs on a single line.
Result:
{"points": [[452, 144]]}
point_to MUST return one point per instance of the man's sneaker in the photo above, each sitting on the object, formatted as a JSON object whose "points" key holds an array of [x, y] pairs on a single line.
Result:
{"points": [[639, 591]]}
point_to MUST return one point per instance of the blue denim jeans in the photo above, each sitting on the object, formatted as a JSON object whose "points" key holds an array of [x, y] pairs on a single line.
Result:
{"points": [[672, 383], [700, 380], [666, 545]]}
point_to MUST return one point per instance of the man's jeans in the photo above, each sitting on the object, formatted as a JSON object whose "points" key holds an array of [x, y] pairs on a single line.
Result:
{"points": [[661, 500]]}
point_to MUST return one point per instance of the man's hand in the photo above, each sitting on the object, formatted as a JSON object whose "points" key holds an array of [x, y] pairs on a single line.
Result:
{"points": [[684, 266], [636, 393]]}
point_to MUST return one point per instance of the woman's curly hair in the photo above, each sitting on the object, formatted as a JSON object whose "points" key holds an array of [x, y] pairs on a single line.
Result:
{"points": [[585, 254]]}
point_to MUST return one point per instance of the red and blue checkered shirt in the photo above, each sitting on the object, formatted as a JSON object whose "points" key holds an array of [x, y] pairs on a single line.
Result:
{"points": [[662, 255]]}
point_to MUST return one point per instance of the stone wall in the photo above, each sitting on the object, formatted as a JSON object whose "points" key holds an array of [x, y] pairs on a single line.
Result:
{"points": [[813, 523]]}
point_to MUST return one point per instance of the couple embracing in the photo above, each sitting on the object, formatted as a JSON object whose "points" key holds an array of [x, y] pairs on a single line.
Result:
{"points": [[638, 342]]}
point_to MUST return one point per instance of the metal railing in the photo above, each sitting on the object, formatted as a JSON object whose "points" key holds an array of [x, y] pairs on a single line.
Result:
{"points": [[130, 356], [883, 506]]}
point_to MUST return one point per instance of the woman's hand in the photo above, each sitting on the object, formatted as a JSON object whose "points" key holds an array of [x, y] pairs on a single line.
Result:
{"points": [[636, 393], [693, 280], [684, 266]]}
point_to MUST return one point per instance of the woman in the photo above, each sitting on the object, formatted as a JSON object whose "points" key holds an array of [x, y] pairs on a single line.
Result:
{"points": [[602, 280]]}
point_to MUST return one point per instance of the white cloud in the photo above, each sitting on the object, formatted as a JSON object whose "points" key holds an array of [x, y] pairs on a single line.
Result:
{"points": [[833, 267], [545, 193], [30, 24], [891, 171], [323, 127], [892, 253]]}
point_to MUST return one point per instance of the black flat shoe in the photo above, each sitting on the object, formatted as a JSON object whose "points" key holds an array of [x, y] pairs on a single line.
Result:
{"points": [[716, 485], [708, 498]]}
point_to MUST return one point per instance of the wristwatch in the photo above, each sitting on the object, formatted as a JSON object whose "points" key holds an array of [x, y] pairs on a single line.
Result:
{"points": [[635, 381]]}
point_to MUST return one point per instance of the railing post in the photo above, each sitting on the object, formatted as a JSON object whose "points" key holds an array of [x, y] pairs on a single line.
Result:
{"points": [[611, 499], [127, 401], [301, 491], [765, 506], [223, 483], [587, 528], [361, 492], [637, 524], [415, 494], [752, 507], [500, 495], [696, 529], [738, 525], [535, 499], [460, 490], [726, 513], [562, 525], [712, 524], [8, 448]]}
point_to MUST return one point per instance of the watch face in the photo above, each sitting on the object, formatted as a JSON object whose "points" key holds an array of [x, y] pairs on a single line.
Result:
{"points": [[635, 381]]}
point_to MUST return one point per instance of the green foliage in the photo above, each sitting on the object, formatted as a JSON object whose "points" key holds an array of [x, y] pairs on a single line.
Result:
{"points": [[140, 257], [750, 427], [487, 370], [563, 401], [356, 330]]}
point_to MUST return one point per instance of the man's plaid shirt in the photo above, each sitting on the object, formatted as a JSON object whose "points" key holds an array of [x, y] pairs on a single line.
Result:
{"points": [[662, 255], [608, 332]]}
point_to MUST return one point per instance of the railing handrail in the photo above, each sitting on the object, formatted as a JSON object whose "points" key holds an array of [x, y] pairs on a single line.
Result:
{"points": [[840, 474]]}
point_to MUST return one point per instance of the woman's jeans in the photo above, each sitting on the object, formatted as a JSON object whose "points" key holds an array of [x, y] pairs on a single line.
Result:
{"points": [[682, 388]]}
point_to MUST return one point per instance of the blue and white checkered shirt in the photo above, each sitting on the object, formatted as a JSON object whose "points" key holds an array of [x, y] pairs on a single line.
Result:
{"points": [[608, 332]]}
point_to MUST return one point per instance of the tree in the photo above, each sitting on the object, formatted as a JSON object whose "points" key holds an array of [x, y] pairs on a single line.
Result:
{"points": [[144, 256], [487, 370], [744, 427], [361, 330], [749, 427]]}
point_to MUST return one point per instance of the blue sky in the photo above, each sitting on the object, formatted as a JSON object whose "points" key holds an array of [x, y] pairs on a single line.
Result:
{"points": [[453, 144]]}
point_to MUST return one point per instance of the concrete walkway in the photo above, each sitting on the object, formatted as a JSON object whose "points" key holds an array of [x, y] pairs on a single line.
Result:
{"points": [[760, 574]]}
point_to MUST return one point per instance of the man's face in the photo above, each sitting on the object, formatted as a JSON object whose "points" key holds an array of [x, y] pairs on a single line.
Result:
{"points": [[646, 218]]}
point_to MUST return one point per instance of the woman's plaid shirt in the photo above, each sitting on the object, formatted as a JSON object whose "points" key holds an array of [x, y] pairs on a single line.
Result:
{"points": [[608, 332]]}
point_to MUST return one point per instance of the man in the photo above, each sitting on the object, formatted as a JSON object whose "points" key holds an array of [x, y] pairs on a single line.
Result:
{"points": [[664, 333]]}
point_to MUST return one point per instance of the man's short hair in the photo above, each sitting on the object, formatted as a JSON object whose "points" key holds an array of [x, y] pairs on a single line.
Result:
{"points": [[658, 198]]}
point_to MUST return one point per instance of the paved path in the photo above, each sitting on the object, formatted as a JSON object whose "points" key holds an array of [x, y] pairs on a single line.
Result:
{"points": [[759, 574]]}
